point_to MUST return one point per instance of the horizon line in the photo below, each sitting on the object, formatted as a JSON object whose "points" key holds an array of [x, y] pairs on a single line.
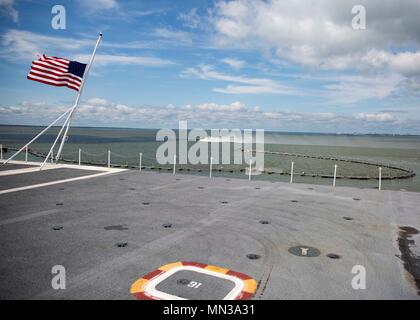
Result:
{"points": [[266, 130]]}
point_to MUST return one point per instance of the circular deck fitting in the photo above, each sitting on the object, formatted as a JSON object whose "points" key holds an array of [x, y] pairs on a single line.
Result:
{"points": [[257, 188], [59, 204], [132, 189], [167, 225], [122, 179], [200, 187], [121, 244], [56, 228], [224, 202], [118, 227], [294, 201], [333, 256], [227, 179], [356, 199], [183, 282], [264, 222], [191, 280], [253, 256], [62, 189], [304, 251], [310, 188], [177, 179], [348, 218], [145, 203]]}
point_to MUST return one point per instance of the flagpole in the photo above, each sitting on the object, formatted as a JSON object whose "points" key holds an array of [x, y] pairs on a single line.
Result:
{"points": [[55, 141], [37, 136], [77, 98]]}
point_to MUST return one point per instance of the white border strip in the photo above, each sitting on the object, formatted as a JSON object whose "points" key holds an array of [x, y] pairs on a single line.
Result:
{"points": [[40, 185], [23, 170], [62, 165], [151, 285]]}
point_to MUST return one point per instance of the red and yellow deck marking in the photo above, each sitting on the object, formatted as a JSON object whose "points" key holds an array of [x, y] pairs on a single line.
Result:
{"points": [[138, 288]]}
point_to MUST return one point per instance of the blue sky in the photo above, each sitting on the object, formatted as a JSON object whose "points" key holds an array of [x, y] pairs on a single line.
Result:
{"points": [[274, 65]]}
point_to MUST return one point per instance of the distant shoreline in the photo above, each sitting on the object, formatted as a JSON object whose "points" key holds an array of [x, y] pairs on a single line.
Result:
{"points": [[266, 131]]}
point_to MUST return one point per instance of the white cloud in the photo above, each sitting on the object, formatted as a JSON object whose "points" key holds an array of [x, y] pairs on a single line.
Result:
{"points": [[107, 59], [338, 89], [235, 106], [178, 37], [248, 85], [353, 89], [98, 5], [234, 63], [407, 63], [378, 117], [98, 102], [24, 45], [190, 19], [319, 34], [7, 6], [21, 44], [100, 112], [234, 89]]}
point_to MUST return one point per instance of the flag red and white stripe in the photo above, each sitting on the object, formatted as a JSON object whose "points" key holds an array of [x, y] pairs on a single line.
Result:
{"points": [[57, 72]]}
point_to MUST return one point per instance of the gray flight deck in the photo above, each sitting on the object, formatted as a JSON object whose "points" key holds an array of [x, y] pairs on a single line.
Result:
{"points": [[162, 218], [37, 177], [14, 166]]}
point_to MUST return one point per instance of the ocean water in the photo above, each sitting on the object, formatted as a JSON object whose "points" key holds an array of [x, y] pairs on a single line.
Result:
{"points": [[126, 144]]}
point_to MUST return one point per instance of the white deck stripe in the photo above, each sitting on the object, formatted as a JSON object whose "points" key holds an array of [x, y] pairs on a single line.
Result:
{"points": [[63, 165], [103, 171], [40, 185], [28, 216], [24, 170]]}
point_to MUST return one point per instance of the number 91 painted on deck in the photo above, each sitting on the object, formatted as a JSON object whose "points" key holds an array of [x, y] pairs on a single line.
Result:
{"points": [[193, 281]]}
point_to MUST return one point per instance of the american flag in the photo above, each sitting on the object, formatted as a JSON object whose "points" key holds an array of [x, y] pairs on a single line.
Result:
{"points": [[57, 72]]}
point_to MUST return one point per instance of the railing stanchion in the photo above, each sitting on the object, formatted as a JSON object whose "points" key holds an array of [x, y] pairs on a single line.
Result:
{"points": [[26, 154], [109, 158], [140, 161], [174, 164], [335, 175], [380, 179], [291, 172], [80, 156], [211, 166], [250, 170], [1, 152]]}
